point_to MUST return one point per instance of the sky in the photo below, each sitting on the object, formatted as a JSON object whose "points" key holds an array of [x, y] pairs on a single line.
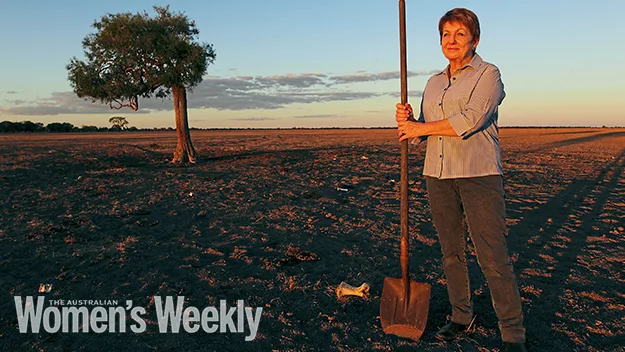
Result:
{"points": [[327, 63]]}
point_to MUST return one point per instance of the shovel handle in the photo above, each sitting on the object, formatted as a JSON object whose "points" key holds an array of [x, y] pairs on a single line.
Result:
{"points": [[404, 151]]}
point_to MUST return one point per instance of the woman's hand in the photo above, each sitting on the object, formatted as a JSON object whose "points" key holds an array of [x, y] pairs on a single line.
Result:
{"points": [[403, 113], [407, 127]]}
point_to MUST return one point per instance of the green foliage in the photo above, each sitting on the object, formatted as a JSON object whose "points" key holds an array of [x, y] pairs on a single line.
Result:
{"points": [[135, 55], [60, 127], [89, 128], [119, 122], [26, 126]]}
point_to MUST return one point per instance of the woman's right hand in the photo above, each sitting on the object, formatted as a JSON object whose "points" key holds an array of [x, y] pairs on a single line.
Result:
{"points": [[403, 113]]}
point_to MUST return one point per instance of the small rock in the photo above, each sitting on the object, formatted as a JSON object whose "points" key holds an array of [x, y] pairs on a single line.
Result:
{"points": [[44, 288]]}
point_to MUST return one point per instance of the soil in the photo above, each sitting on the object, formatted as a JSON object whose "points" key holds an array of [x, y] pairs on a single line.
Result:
{"points": [[279, 218]]}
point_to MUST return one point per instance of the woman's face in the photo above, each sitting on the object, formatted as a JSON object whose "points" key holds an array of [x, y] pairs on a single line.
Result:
{"points": [[457, 42]]}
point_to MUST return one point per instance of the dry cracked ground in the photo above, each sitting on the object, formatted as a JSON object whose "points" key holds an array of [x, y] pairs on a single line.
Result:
{"points": [[279, 218]]}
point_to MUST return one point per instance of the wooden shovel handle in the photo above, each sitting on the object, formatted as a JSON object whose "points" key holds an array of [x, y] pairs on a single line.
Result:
{"points": [[404, 150]]}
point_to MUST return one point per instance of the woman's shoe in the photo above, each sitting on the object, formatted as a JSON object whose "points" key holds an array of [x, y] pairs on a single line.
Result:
{"points": [[451, 331], [514, 347]]}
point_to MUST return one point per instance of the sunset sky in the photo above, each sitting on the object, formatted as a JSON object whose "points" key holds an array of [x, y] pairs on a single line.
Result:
{"points": [[328, 63]]}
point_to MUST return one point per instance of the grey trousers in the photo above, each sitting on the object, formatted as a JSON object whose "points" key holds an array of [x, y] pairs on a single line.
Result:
{"points": [[481, 200]]}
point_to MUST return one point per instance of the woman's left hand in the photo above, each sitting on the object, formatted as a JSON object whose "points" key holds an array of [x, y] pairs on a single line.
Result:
{"points": [[410, 129]]}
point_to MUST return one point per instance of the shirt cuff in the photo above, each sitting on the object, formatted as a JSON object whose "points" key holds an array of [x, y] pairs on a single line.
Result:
{"points": [[418, 140], [460, 124]]}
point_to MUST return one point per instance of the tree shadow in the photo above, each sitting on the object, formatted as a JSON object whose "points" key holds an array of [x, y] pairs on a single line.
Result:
{"points": [[573, 141], [547, 259]]}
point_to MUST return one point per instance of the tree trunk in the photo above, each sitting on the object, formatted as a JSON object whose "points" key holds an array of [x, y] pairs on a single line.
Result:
{"points": [[185, 153]]}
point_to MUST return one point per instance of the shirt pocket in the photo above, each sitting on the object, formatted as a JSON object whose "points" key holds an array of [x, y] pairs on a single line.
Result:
{"points": [[431, 105], [457, 98]]}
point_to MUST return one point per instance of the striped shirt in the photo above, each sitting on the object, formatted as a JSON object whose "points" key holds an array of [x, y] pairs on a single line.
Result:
{"points": [[469, 100]]}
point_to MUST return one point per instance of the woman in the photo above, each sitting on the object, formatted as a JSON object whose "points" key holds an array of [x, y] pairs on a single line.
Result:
{"points": [[459, 112]]}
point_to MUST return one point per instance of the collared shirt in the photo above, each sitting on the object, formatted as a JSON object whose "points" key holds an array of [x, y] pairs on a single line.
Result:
{"points": [[469, 99]]}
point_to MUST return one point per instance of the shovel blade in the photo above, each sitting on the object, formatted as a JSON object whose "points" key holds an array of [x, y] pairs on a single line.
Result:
{"points": [[404, 316]]}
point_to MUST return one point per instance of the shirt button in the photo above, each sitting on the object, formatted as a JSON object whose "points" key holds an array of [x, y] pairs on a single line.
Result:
{"points": [[440, 156], [439, 104], [440, 138]]}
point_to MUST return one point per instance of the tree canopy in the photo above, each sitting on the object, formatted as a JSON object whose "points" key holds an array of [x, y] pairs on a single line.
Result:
{"points": [[135, 55], [118, 122]]}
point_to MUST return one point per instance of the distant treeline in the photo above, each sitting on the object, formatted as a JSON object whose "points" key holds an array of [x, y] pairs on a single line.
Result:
{"points": [[33, 127], [29, 126]]}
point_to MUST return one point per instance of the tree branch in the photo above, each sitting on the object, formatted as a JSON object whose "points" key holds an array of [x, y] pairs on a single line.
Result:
{"points": [[143, 74], [105, 66], [133, 104]]}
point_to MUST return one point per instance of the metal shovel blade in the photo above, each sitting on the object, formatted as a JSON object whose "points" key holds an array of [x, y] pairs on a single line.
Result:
{"points": [[404, 316]]}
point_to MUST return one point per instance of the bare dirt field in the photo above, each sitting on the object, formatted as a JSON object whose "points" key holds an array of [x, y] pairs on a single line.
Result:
{"points": [[260, 218]]}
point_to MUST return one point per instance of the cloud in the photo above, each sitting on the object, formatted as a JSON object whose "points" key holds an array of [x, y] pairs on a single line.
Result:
{"points": [[59, 103], [253, 118], [266, 92], [411, 94], [305, 80], [361, 76], [17, 101], [230, 93], [323, 116]]}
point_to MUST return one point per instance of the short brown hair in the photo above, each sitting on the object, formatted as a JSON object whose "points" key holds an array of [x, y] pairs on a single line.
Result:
{"points": [[461, 15]]}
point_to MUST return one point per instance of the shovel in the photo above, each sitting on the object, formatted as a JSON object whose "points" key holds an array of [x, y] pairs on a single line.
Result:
{"points": [[405, 303]]}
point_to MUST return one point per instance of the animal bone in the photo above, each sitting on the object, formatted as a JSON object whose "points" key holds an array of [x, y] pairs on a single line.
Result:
{"points": [[345, 289]]}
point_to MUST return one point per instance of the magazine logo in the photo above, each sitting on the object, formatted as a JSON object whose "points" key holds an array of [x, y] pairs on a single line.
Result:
{"points": [[75, 316]]}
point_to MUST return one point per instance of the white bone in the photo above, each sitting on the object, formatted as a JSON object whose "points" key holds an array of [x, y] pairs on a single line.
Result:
{"points": [[345, 289]]}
